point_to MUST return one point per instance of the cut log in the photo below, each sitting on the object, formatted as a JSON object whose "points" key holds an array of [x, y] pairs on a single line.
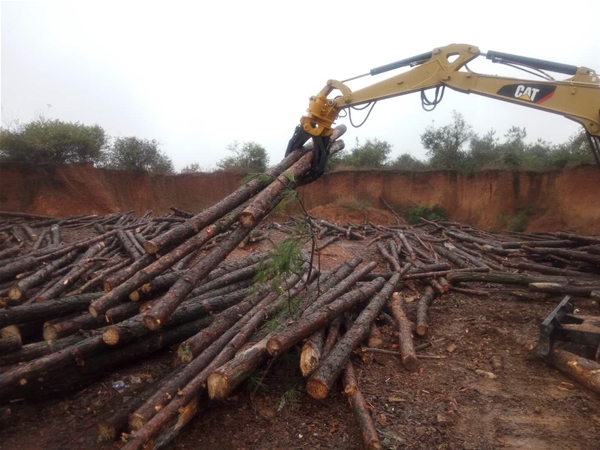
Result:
{"points": [[311, 352], [584, 371], [407, 348], [233, 200], [10, 343], [360, 407], [19, 290], [308, 324], [422, 307], [320, 382], [46, 310]]}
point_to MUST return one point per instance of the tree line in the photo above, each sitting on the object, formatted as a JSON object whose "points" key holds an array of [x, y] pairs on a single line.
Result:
{"points": [[454, 146]]}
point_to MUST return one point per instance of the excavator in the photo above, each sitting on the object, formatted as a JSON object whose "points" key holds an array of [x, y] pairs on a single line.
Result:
{"points": [[576, 98]]}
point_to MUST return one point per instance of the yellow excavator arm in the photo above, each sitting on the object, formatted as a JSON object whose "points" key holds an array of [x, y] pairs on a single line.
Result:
{"points": [[577, 97]]}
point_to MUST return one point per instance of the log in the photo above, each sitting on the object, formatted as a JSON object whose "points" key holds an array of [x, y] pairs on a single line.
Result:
{"points": [[503, 278], [10, 343], [361, 408], [393, 261], [131, 250], [46, 310], [149, 271], [554, 244], [567, 254], [375, 337], [168, 303], [36, 350], [134, 328], [339, 229], [333, 335], [407, 246], [407, 349], [320, 382], [558, 289], [550, 270], [311, 352], [424, 303], [340, 289], [311, 322], [454, 259], [20, 289], [585, 371], [327, 242], [261, 203], [242, 194], [197, 344], [85, 321], [80, 266]]}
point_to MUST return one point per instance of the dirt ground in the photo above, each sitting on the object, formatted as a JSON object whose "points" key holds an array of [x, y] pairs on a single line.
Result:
{"points": [[453, 402]]}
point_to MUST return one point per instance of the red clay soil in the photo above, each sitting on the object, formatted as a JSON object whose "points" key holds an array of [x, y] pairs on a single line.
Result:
{"points": [[554, 200]]}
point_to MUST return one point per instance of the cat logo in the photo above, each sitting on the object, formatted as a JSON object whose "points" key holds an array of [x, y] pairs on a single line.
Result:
{"points": [[534, 92], [526, 93]]}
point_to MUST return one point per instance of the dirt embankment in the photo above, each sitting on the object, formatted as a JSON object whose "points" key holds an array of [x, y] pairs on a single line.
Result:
{"points": [[566, 199]]}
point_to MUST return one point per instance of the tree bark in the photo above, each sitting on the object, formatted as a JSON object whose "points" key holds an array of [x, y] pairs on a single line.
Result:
{"points": [[320, 382], [311, 352], [584, 371], [424, 302], [20, 289], [233, 200], [46, 310], [360, 407], [311, 322], [407, 348]]}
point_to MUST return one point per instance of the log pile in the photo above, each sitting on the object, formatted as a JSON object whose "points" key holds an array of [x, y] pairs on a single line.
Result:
{"points": [[75, 308]]}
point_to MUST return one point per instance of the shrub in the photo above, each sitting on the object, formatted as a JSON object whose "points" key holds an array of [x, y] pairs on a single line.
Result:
{"points": [[430, 213]]}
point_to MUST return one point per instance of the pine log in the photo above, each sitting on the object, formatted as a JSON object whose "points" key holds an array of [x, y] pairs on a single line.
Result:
{"points": [[340, 288], [55, 234], [375, 339], [333, 335], [583, 370], [339, 229], [134, 328], [10, 344], [116, 423], [558, 289], [504, 278], [320, 382], [85, 321], [424, 303], [579, 237], [168, 303], [197, 344], [407, 246], [311, 352], [242, 194], [327, 242], [150, 271], [568, 254], [454, 259], [46, 310], [98, 279], [311, 322], [554, 243], [407, 349], [36, 350], [20, 289], [393, 261], [361, 410], [80, 266], [550, 270]]}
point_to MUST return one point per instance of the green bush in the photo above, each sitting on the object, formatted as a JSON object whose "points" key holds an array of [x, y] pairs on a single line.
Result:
{"points": [[430, 213], [519, 221]]}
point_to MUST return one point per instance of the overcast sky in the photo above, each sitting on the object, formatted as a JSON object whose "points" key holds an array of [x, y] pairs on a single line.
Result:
{"points": [[197, 75]]}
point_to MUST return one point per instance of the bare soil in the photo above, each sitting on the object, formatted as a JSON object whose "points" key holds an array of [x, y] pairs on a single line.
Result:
{"points": [[448, 404]]}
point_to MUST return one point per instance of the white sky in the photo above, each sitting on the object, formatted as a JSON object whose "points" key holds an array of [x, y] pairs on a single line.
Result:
{"points": [[197, 75]]}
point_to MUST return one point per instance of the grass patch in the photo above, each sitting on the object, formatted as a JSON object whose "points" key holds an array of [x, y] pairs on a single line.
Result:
{"points": [[435, 212]]}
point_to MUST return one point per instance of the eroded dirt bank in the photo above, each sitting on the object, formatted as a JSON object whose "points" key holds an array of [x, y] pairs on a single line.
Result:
{"points": [[565, 199]]}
